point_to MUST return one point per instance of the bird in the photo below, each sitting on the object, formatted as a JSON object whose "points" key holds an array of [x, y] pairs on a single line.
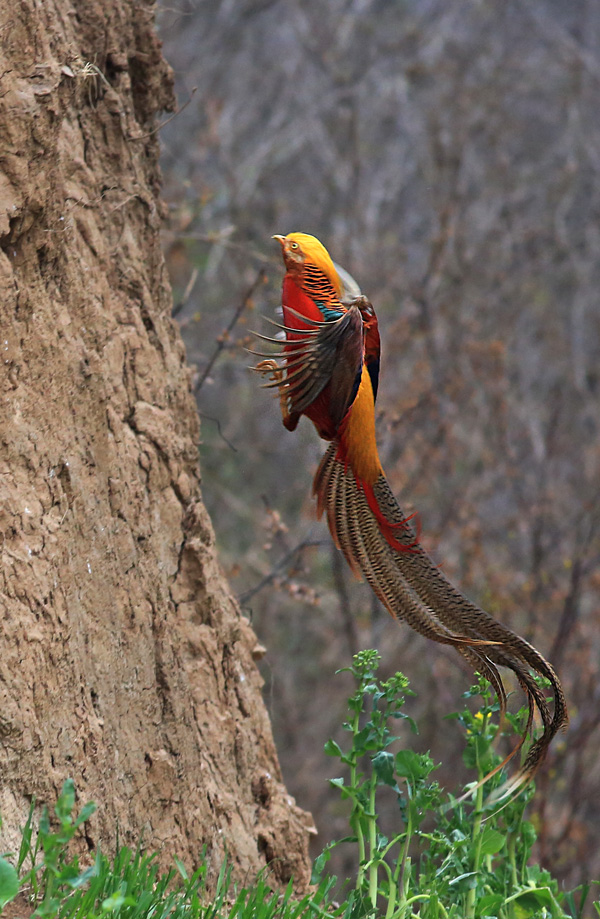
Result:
{"points": [[327, 369]]}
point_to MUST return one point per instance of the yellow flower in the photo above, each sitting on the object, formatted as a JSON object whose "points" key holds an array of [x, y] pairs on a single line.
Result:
{"points": [[478, 719]]}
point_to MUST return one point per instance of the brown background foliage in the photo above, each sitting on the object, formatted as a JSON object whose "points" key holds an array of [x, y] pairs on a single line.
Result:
{"points": [[447, 154]]}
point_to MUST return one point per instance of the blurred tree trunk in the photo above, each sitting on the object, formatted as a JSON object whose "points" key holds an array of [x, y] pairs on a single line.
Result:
{"points": [[124, 662]]}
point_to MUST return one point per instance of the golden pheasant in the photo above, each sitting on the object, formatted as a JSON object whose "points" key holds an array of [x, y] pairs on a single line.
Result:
{"points": [[330, 373]]}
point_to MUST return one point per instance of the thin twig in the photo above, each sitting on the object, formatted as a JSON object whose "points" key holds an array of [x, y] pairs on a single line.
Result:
{"points": [[341, 587], [220, 239], [580, 569], [221, 435], [553, 32], [160, 126], [269, 578], [187, 293], [223, 337]]}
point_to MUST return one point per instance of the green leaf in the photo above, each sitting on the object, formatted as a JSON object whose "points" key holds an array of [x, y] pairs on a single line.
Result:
{"points": [[461, 877], [48, 908], [413, 766], [345, 791], [366, 740], [86, 812], [383, 766], [26, 847], [530, 902], [9, 882], [333, 749], [491, 841], [66, 801], [528, 835], [115, 901], [181, 868], [489, 905], [319, 864], [84, 877], [413, 724], [44, 822]]}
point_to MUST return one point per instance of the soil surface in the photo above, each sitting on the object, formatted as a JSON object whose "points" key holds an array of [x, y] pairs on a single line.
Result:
{"points": [[124, 661]]}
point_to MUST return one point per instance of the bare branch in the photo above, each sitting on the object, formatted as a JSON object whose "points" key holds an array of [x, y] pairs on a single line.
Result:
{"points": [[224, 336]]}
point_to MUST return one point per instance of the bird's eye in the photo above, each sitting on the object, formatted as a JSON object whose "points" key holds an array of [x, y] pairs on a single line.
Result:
{"points": [[293, 245]]}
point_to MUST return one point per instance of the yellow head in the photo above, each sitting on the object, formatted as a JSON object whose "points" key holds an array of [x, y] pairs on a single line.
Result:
{"points": [[300, 249]]}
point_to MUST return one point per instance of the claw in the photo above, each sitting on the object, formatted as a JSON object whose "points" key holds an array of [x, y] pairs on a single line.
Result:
{"points": [[268, 366], [271, 367]]}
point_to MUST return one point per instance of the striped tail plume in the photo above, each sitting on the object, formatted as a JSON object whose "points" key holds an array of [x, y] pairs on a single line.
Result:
{"points": [[379, 543]]}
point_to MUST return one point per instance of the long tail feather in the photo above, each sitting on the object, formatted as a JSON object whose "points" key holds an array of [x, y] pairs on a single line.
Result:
{"points": [[378, 542]]}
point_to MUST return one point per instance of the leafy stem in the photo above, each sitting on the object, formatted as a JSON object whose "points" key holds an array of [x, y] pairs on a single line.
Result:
{"points": [[461, 865]]}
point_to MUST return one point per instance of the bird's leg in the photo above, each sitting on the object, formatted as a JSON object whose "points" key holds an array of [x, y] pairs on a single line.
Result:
{"points": [[290, 420]]}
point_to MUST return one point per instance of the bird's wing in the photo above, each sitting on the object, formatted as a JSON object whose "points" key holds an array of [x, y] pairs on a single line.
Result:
{"points": [[371, 335], [350, 288], [324, 354]]}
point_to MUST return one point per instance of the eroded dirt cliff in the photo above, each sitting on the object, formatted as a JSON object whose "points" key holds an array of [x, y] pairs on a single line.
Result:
{"points": [[124, 662]]}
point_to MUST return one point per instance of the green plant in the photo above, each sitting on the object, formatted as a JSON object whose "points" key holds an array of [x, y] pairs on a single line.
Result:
{"points": [[131, 886], [9, 881], [450, 858], [51, 870], [472, 859]]}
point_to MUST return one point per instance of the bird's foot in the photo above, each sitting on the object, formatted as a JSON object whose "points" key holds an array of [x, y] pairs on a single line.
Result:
{"points": [[271, 367]]}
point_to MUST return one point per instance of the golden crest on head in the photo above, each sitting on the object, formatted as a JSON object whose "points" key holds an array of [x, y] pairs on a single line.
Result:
{"points": [[298, 246]]}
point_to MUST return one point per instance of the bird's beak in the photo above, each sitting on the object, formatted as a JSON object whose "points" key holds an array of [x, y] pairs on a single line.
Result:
{"points": [[280, 240]]}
